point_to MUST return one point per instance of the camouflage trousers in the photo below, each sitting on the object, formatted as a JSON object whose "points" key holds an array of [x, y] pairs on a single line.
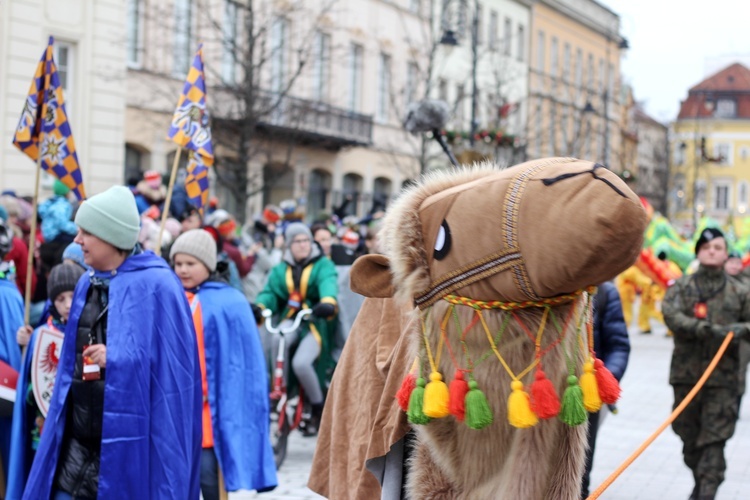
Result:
{"points": [[704, 427]]}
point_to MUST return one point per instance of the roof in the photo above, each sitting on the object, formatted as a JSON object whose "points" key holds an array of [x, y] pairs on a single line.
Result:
{"points": [[732, 78]]}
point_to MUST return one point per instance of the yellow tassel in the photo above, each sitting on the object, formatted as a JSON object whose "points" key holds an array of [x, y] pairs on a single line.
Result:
{"points": [[591, 399], [436, 397], [519, 407]]}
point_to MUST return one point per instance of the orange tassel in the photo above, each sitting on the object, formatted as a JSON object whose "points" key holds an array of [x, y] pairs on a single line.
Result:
{"points": [[609, 387], [458, 390], [544, 399], [404, 393]]}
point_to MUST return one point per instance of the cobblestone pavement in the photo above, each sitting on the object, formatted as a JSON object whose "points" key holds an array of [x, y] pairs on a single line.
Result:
{"points": [[658, 473]]}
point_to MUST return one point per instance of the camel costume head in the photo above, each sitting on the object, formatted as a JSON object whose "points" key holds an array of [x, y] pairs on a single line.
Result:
{"points": [[499, 266]]}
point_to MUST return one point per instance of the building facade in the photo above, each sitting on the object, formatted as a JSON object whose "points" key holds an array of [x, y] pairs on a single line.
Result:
{"points": [[652, 161], [575, 97], [89, 53], [710, 151]]}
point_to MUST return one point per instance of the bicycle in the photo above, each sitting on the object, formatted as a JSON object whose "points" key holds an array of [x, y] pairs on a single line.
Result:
{"points": [[286, 413]]}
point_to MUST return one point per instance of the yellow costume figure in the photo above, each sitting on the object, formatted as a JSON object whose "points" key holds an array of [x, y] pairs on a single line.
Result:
{"points": [[650, 295], [628, 283]]}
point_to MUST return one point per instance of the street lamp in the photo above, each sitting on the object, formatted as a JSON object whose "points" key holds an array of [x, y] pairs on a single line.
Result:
{"points": [[449, 40]]}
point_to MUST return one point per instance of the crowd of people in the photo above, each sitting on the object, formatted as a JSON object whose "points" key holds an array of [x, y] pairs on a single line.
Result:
{"points": [[163, 388]]}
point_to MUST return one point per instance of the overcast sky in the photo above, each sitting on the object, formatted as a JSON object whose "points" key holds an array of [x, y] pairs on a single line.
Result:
{"points": [[675, 44]]}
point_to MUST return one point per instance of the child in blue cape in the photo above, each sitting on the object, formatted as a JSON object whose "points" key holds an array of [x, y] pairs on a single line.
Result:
{"points": [[235, 385], [11, 318], [28, 418]]}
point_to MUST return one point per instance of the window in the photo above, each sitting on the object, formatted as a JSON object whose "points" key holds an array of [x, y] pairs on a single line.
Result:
{"points": [[64, 61], [459, 107], [355, 76], [579, 69], [493, 30], [553, 59], [462, 7], [384, 87], [744, 153], [538, 127], [507, 37], [521, 45], [279, 30], [726, 108], [540, 52], [183, 21], [601, 75], [611, 80], [321, 68], [721, 196], [566, 63], [229, 35], [412, 75], [443, 89], [679, 153], [742, 197], [590, 74], [723, 153], [135, 27], [479, 12]]}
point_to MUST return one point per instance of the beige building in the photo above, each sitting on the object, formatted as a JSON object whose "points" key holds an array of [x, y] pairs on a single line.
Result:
{"points": [[331, 87], [652, 176], [576, 100], [89, 52]]}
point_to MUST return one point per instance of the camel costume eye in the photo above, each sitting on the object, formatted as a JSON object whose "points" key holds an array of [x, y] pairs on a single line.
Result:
{"points": [[443, 241]]}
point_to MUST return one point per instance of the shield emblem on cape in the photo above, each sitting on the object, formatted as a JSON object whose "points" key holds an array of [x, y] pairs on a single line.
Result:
{"points": [[47, 351]]}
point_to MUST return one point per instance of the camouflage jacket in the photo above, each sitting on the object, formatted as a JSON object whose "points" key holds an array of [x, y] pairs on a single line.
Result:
{"points": [[728, 302]]}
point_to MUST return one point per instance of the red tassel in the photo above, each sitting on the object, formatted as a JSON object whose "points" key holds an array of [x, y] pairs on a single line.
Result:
{"points": [[609, 387], [458, 390], [544, 399], [404, 393]]}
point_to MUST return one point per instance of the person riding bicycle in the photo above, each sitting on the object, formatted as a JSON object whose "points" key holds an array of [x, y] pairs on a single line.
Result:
{"points": [[235, 384], [306, 279]]}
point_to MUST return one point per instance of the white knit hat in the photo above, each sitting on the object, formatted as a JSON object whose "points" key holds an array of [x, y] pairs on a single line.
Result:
{"points": [[197, 243]]}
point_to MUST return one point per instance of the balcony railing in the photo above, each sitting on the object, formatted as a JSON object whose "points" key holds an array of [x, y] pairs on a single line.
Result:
{"points": [[314, 122]]}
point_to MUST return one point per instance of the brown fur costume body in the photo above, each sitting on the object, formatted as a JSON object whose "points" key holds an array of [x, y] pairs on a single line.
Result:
{"points": [[525, 234]]}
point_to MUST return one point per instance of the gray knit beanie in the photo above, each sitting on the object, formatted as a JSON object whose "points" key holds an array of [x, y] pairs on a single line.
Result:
{"points": [[295, 229], [63, 278], [111, 216], [197, 243]]}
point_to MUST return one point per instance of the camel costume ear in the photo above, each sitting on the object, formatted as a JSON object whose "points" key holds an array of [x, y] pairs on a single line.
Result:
{"points": [[370, 276]]}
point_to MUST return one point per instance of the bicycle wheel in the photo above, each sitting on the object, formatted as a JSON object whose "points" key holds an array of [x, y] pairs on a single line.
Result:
{"points": [[279, 429]]}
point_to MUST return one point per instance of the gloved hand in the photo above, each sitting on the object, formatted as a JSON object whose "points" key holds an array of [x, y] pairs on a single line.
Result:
{"points": [[719, 331], [740, 330], [323, 310], [704, 329], [257, 313]]}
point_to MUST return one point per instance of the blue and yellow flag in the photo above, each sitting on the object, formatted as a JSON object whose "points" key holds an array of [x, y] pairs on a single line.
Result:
{"points": [[191, 129], [44, 126]]}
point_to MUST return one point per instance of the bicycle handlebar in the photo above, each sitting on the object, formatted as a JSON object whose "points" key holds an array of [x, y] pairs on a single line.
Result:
{"points": [[279, 329]]}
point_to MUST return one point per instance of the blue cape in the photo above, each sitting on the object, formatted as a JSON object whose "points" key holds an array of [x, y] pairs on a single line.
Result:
{"points": [[237, 389], [151, 432], [11, 319], [20, 444]]}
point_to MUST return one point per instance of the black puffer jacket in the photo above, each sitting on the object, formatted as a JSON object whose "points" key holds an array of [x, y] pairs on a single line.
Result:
{"points": [[78, 466]]}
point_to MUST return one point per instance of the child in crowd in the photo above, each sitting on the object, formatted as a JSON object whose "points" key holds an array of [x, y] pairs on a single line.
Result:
{"points": [[32, 402], [234, 380]]}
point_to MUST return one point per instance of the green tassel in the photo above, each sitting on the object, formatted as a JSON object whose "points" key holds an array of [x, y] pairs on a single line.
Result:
{"points": [[416, 401], [573, 412], [478, 412]]}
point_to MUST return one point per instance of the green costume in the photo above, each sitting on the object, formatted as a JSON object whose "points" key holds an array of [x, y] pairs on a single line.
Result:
{"points": [[709, 420], [315, 280]]}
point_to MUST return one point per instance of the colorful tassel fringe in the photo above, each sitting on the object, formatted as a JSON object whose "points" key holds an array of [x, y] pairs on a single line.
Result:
{"points": [[457, 396], [609, 387], [404, 393], [436, 397], [478, 412], [572, 411], [416, 402], [591, 399], [544, 399], [519, 408]]}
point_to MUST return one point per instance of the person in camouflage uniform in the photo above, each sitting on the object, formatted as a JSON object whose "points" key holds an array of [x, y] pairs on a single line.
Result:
{"points": [[701, 309]]}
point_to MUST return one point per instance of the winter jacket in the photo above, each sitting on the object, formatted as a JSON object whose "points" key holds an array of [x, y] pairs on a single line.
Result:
{"points": [[611, 342], [78, 471]]}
